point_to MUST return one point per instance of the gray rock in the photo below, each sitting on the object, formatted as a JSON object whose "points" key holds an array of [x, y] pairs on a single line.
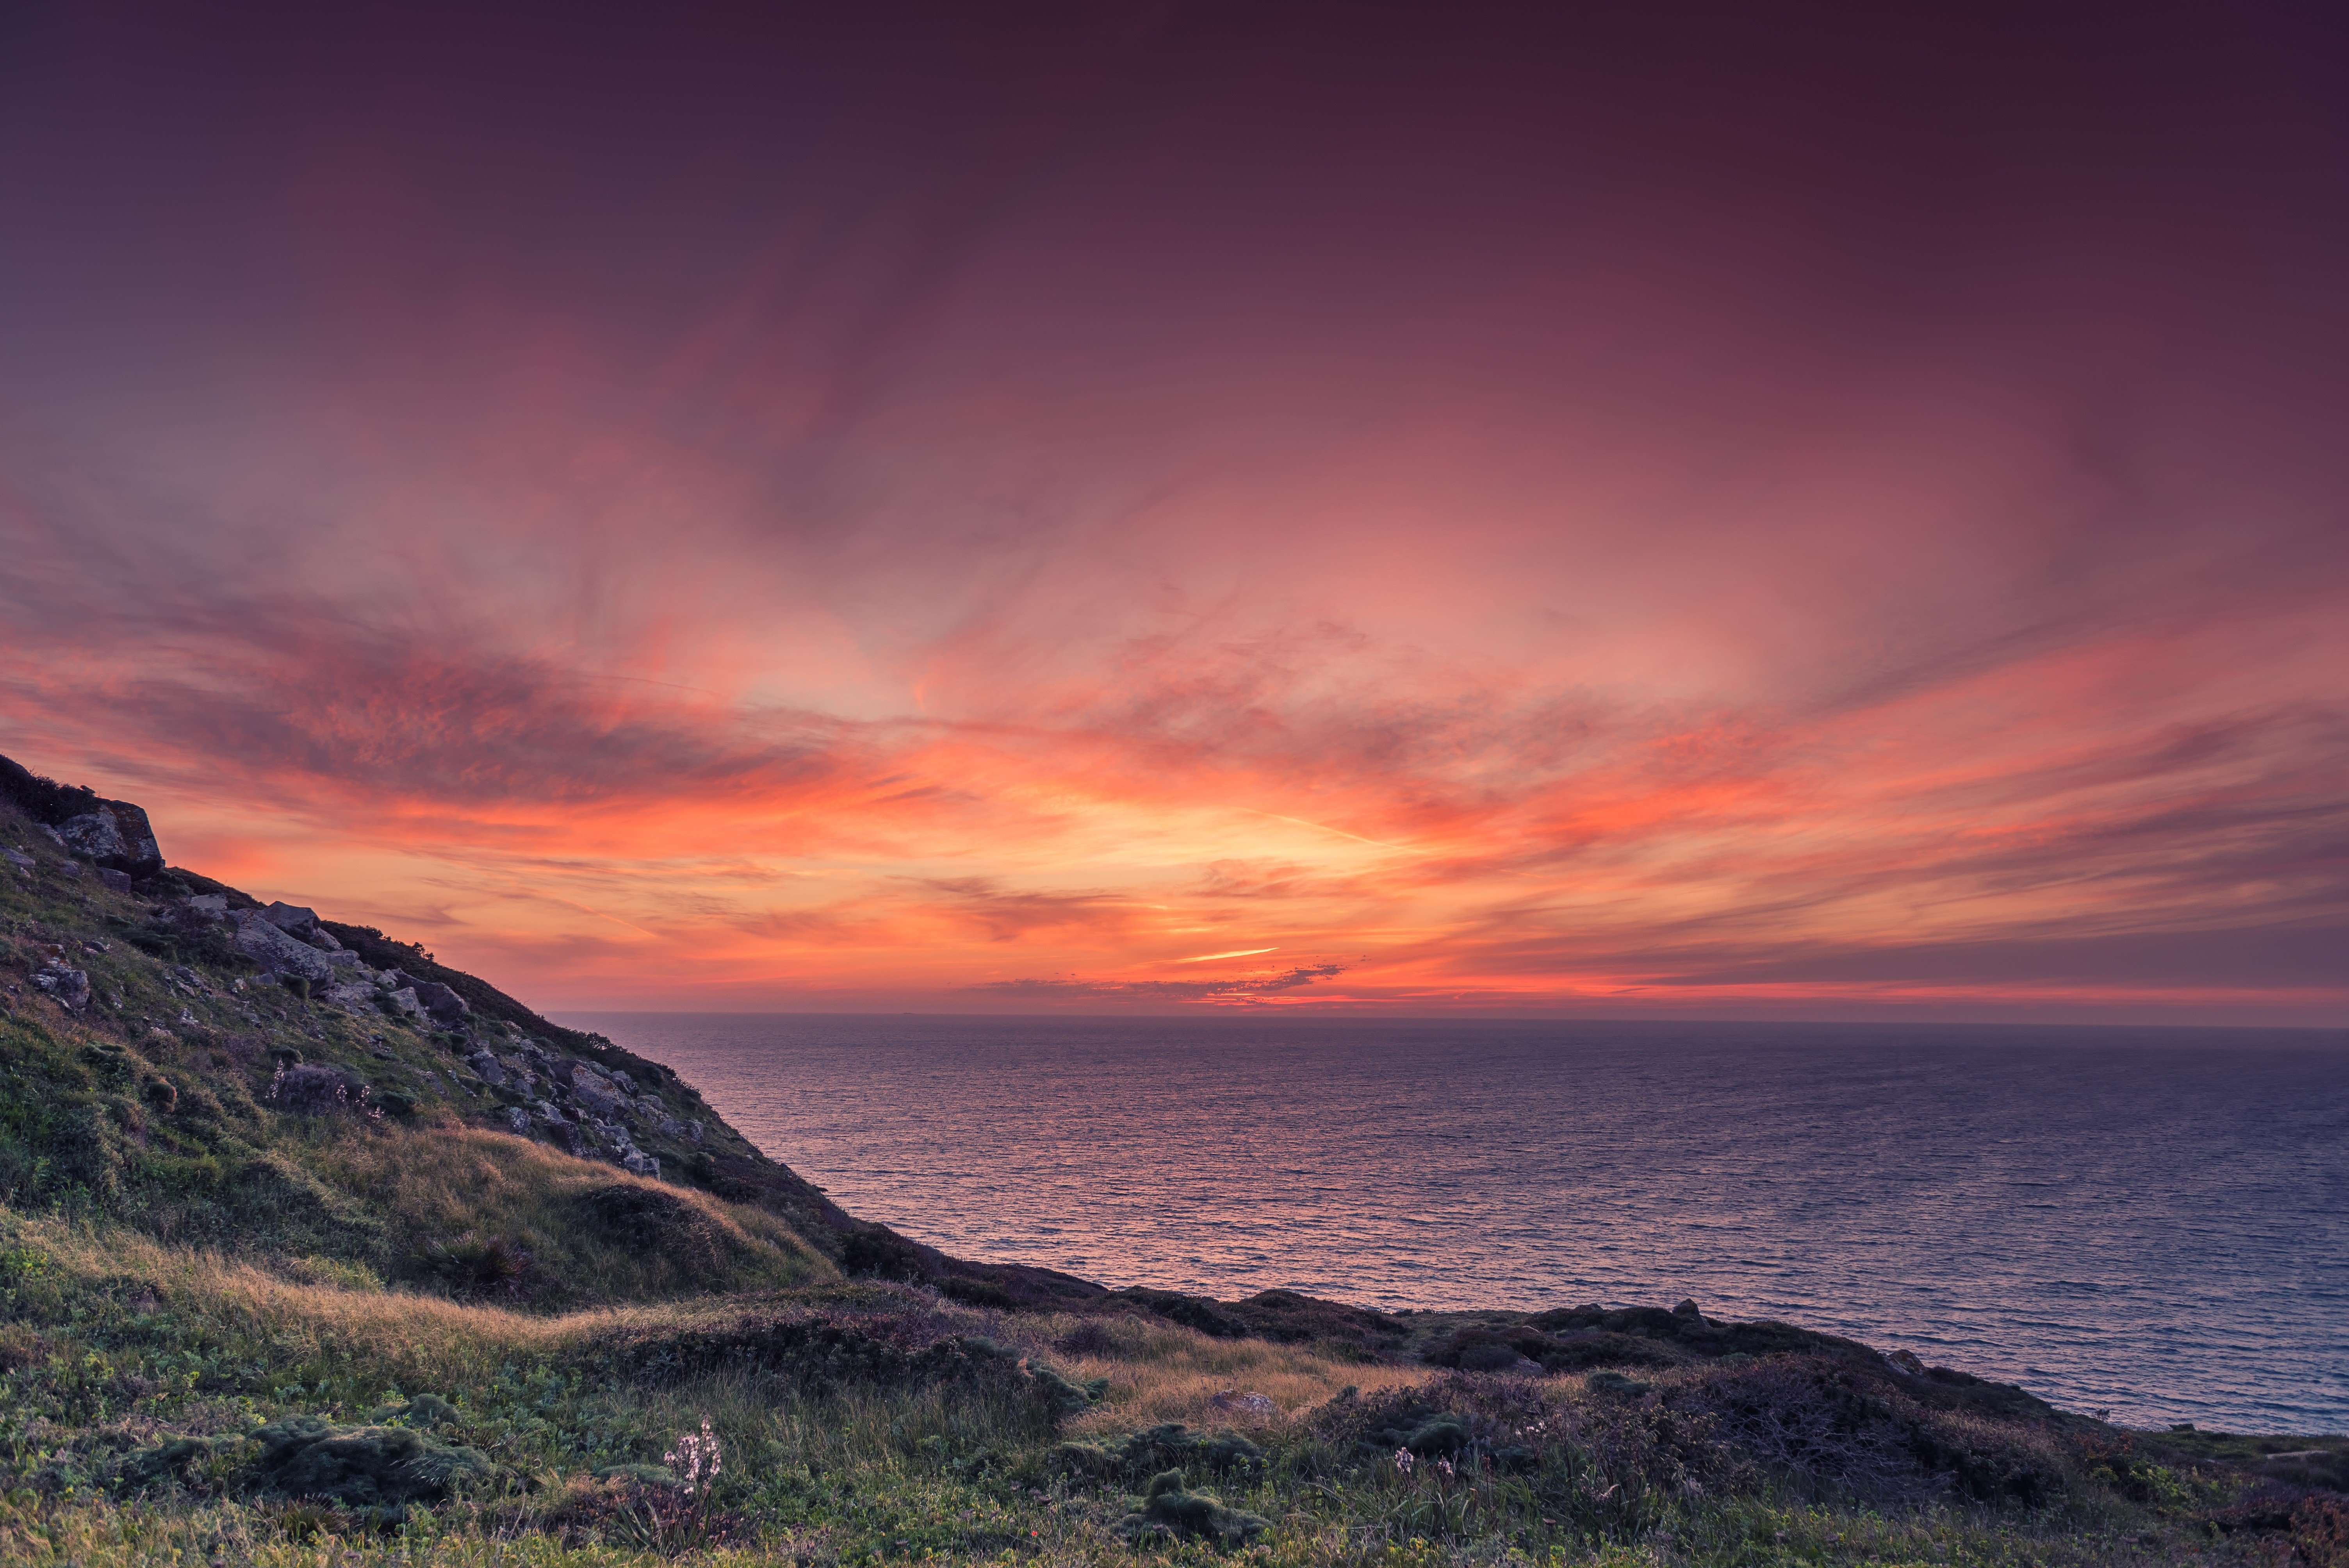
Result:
{"points": [[693, 1129], [97, 835], [442, 1004], [116, 834], [277, 953], [70, 987], [17, 858], [68, 867], [487, 1067], [343, 959], [668, 1126], [119, 881], [401, 1004], [518, 1118], [348, 992], [208, 903], [637, 1162], [291, 918], [596, 1100], [624, 1084]]}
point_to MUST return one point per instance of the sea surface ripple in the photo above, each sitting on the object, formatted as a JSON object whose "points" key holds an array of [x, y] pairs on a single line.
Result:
{"points": [[2144, 1222]]}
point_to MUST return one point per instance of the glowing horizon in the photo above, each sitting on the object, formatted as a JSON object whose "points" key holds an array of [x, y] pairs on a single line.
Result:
{"points": [[1176, 517]]}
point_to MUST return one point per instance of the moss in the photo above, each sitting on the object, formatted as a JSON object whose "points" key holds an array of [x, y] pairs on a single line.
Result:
{"points": [[303, 1456], [1169, 1511]]}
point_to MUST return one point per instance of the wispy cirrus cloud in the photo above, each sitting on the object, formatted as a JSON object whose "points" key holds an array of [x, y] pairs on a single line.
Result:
{"points": [[1064, 535]]}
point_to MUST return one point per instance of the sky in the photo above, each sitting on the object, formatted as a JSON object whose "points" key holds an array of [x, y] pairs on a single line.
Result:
{"points": [[1651, 511]]}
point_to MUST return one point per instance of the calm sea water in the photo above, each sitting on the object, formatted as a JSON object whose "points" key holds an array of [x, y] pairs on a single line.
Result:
{"points": [[2149, 1222]]}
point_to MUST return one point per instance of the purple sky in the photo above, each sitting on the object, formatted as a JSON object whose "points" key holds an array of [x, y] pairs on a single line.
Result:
{"points": [[1748, 512]]}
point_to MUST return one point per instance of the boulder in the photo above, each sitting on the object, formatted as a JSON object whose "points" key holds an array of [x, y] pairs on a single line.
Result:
{"points": [[441, 1003], [116, 835], [291, 918], [624, 1084], [259, 940], [17, 858], [212, 904], [637, 1162], [117, 881], [487, 1067], [70, 987], [400, 1004], [598, 1100]]}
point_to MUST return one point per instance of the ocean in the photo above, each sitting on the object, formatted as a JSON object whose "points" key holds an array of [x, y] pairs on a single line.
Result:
{"points": [[2149, 1222]]}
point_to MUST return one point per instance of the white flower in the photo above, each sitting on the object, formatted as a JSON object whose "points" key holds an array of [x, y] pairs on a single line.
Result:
{"points": [[696, 1456]]}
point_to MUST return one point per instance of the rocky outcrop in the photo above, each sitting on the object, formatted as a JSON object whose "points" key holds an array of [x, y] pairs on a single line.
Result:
{"points": [[440, 1003], [116, 836], [276, 953], [68, 985]]}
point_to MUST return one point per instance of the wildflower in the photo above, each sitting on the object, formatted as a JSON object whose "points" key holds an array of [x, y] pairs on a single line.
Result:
{"points": [[1443, 1465], [1403, 1460], [695, 1458]]}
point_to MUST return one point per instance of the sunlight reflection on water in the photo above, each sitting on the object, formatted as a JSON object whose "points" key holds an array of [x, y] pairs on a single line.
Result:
{"points": [[2145, 1221]]}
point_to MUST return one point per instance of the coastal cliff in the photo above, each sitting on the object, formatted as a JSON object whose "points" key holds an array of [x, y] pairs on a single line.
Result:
{"points": [[291, 1211]]}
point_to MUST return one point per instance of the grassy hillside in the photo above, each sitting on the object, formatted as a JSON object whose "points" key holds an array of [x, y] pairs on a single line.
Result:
{"points": [[337, 1266]]}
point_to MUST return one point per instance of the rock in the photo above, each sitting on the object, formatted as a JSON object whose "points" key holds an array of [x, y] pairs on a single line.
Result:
{"points": [[518, 1118], [17, 858], [70, 987], [212, 904], [1687, 1308], [401, 1004], [259, 940], [324, 941], [116, 835], [596, 1100], [693, 1129], [1906, 1363], [487, 1067], [68, 867], [348, 992], [624, 1084], [291, 918], [668, 1126], [343, 959], [441, 1003], [637, 1162]]}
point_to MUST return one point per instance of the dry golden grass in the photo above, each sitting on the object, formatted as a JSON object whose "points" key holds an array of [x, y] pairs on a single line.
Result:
{"points": [[449, 1184], [423, 1341], [1161, 1372]]}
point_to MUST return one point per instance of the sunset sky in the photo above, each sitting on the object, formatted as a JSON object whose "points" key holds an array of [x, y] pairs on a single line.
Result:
{"points": [[1767, 511]]}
